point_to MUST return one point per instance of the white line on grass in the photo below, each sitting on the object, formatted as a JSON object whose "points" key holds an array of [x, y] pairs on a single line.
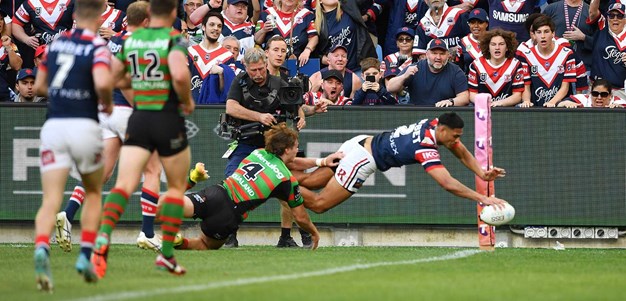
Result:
{"points": [[255, 280]]}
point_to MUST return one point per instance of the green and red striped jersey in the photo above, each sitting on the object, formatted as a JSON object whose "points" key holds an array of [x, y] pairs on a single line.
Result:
{"points": [[145, 55], [262, 175]]}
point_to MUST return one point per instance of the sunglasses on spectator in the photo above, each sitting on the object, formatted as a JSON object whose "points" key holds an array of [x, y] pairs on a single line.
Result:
{"points": [[196, 5], [405, 40], [596, 94], [616, 16]]}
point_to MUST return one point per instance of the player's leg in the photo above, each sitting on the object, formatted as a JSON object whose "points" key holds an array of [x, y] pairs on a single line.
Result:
{"points": [[316, 179], [132, 162], [53, 185], [332, 195], [89, 222], [171, 213], [286, 221], [149, 199]]}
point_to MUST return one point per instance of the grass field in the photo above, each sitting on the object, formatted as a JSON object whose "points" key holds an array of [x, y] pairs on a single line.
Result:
{"points": [[333, 273]]}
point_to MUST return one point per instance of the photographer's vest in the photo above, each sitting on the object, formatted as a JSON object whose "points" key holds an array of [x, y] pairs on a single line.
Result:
{"points": [[268, 104]]}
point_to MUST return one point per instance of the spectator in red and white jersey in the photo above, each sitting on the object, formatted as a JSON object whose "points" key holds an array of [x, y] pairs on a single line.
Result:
{"points": [[600, 96], [332, 86], [469, 47], [551, 68], [402, 58]]}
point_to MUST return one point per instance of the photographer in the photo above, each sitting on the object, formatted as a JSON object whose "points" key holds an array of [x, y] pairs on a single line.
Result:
{"points": [[253, 101], [372, 92]]}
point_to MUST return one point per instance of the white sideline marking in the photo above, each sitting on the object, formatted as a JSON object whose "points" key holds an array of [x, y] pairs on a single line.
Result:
{"points": [[246, 281]]}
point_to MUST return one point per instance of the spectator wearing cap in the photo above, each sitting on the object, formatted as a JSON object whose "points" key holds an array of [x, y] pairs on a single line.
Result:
{"points": [[372, 92], [402, 58], [332, 86], [337, 60], [9, 60], [339, 22], [24, 86], [608, 61], [569, 17], [442, 22], [478, 22], [433, 81], [294, 23], [39, 55]]}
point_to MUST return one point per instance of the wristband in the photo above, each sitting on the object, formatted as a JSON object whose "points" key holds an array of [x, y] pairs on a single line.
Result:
{"points": [[309, 48], [318, 162]]}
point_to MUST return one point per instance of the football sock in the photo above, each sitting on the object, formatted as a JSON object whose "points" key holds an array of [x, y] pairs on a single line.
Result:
{"points": [[170, 215], [302, 232], [87, 242], [42, 241], [114, 206], [76, 200], [149, 201], [285, 232]]}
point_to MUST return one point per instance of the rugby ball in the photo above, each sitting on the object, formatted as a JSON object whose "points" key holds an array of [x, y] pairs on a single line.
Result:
{"points": [[495, 216]]}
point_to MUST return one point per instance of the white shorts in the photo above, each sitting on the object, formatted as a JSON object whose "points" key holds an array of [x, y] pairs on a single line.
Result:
{"points": [[114, 125], [356, 166], [66, 142]]}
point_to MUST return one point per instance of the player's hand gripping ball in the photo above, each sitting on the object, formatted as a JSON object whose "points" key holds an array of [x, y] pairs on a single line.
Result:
{"points": [[495, 216]]}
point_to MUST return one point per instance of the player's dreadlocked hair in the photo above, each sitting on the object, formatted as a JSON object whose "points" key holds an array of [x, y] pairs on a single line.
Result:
{"points": [[451, 120], [279, 138]]}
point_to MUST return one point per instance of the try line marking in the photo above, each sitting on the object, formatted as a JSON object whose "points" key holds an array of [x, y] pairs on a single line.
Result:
{"points": [[255, 280]]}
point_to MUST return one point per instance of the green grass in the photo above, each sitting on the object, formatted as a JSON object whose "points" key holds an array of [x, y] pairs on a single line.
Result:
{"points": [[252, 273]]}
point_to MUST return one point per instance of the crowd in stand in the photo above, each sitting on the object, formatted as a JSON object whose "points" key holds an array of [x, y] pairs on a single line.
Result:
{"points": [[532, 53]]}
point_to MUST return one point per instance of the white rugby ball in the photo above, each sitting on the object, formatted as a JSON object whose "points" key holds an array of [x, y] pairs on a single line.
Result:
{"points": [[495, 216]]}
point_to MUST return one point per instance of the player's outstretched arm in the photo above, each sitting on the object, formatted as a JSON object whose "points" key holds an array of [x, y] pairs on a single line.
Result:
{"points": [[461, 152], [304, 222], [331, 160], [452, 185]]}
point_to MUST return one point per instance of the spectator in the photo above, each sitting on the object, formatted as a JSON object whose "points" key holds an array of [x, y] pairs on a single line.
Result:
{"points": [[372, 92], [209, 58], [24, 86], [193, 31], [337, 60], [232, 44], [569, 18], [609, 62], [235, 23], [446, 83], [339, 22], [470, 44], [41, 49], [440, 22], [9, 60], [551, 68], [293, 23], [332, 85], [582, 79], [510, 15], [402, 58], [276, 52], [601, 96], [113, 21], [496, 71], [396, 62], [48, 20]]}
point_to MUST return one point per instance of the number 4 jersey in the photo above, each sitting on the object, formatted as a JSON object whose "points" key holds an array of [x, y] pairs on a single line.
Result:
{"points": [[145, 55], [262, 175]]}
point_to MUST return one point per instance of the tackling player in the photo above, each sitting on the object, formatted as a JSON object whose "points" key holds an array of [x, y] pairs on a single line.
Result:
{"points": [[71, 134], [407, 144], [152, 60], [265, 173]]}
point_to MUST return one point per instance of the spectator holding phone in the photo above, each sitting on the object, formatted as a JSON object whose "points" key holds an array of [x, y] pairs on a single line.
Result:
{"points": [[372, 92]]}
